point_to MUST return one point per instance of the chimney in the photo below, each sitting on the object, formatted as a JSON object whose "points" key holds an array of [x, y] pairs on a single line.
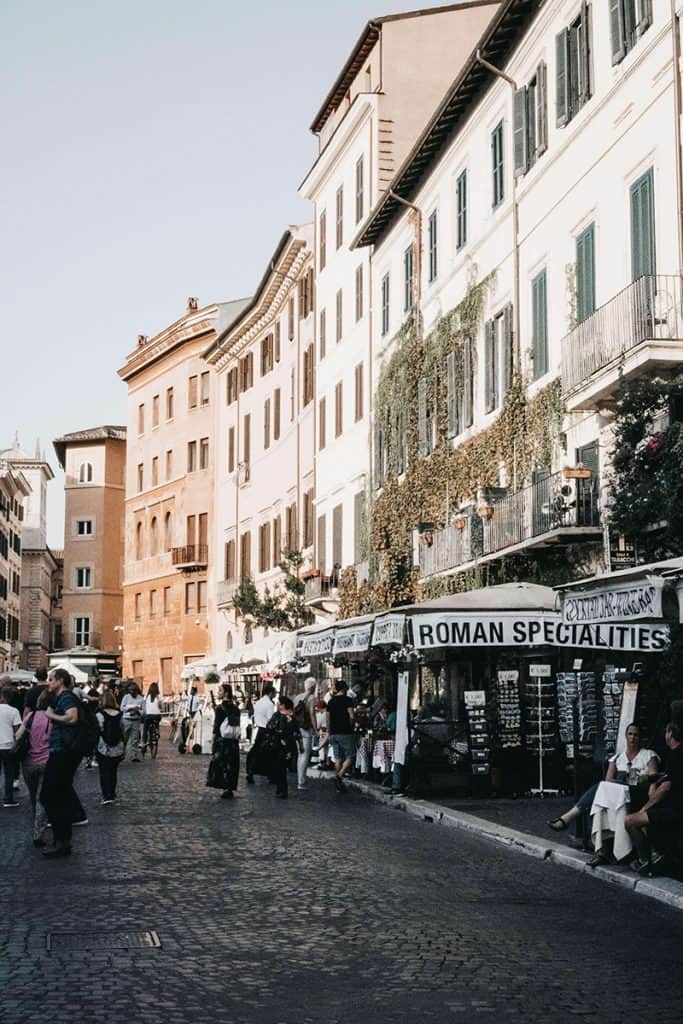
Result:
{"points": [[142, 340], [192, 304]]}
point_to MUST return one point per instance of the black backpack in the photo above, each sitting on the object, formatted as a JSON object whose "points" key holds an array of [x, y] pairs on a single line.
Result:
{"points": [[111, 730], [82, 737]]}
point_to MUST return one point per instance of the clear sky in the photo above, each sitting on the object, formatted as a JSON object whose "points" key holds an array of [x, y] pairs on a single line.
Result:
{"points": [[151, 150]]}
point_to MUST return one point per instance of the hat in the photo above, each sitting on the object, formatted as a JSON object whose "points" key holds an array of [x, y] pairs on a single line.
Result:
{"points": [[310, 681]]}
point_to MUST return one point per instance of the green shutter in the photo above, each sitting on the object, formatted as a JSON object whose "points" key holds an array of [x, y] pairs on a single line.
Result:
{"points": [[584, 54], [422, 440], [508, 344], [539, 308], [451, 399], [541, 108], [520, 132], [617, 32], [585, 273], [562, 77], [642, 227]]}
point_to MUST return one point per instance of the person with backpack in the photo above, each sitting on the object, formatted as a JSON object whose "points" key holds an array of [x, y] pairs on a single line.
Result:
{"points": [[110, 746], [57, 793], [33, 750]]}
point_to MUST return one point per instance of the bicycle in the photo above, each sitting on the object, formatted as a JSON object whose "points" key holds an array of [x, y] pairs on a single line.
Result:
{"points": [[152, 741]]}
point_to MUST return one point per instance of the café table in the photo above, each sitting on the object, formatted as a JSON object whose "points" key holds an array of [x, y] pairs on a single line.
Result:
{"points": [[608, 814], [383, 755], [363, 751]]}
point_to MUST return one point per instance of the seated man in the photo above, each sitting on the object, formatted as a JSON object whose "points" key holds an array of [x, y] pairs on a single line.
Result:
{"points": [[663, 810]]}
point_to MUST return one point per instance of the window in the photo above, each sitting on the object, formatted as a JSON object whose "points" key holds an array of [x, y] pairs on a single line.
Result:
{"points": [[276, 342], [338, 408], [138, 606], [277, 540], [360, 195], [585, 274], [322, 240], [192, 392], [339, 308], [291, 529], [277, 403], [322, 333], [248, 635], [321, 553], [266, 423], [497, 165], [642, 227], [340, 216], [359, 293], [83, 577], [204, 453], [307, 539], [167, 600], [155, 411], [337, 539], [267, 353], [498, 358], [246, 447], [530, 122], [169, 464], [231, 450], [572, 52], [191, 456], [155, 470], [190, 597], [169, 403], [309, 355], [141, 476], [246, 372], [290, 318], [85, 473], [205, 388], [459, 394], [408, 279], [628, 20], [82, 623], [168, 531], [141, 419], [264, 547], [138, 541], [154, 536], [461, 197], [385, 305], [322, 423], [229, 567], [539, 322], [432, 233], [190, 530], [358, 403], [425, 429], [202, 591], [292, 393], [245, 554], [306, 294], [232, 385], [84, 528], [153, 607]]}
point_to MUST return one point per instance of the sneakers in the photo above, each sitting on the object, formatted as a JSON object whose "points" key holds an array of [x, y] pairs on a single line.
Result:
{"points": [[11, 803], [83, 821], [302, 787], [104, 803]]}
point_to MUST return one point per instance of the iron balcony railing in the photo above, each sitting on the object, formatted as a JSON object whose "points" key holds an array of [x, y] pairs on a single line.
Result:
{"points": [[649, 309], [191, 554], [317, 587], [449, 547], [226, 590]]}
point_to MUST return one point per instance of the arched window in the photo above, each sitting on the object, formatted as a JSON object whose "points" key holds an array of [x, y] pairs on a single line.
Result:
{"points": [[138, 541], [85, 473], [154, 536], [248, 634], [228, 641], [168, 532]]}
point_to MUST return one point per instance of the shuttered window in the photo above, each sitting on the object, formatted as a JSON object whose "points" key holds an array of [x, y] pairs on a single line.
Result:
{"points": [[530, 121], [290, 318], [379, 454], [628, 20], [497, 165], [433, 241], [277, 540], [408, 279], [490, 366], [461, 196], [572, 63], [507, 357], [585, 274], [277, 412], [229, 568], [232, 385], [642, 227], [468, 384], [322, 424], [245, 554], [266, 423], [246, 450], [276, 342], [385, 305], [308, 519], [358, 403], [360, 189], [308, 374], [322, 545], [192, 392], [339, 306], [322, 333], [453, 426], [358, 524], [539, 319], [338, 408], [359, 293], [423, 420], [322, 240], [340, 216], [337, 537], [264, 547], [231, 450]]}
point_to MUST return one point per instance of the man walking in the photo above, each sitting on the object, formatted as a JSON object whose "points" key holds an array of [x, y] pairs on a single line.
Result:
{"points": [[264, 709], [341, 726], [132, 706], [10, 720], [57, 794], [304, 703]]}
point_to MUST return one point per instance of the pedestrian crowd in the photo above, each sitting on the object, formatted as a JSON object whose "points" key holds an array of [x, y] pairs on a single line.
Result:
{"points": [[48, 729]]}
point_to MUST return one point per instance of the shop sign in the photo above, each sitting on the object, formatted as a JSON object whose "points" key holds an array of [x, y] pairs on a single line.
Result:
{"points": [[508, 676], [315, 644], [475, 698], [352, 639], [388, 630], [508, 629], [540, 671], [623, 603]]}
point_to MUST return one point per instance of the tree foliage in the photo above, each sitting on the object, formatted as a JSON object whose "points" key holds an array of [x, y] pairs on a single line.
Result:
{"points": [[281, 607]]}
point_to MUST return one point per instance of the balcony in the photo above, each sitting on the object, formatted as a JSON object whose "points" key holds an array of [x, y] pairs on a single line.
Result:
{"points": [[549, 512], [321, 593], [191, 558], [639, 330], [225, 591]]}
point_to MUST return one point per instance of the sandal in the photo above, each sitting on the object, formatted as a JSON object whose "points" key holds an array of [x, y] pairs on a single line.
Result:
{"points": [[557, 825]]}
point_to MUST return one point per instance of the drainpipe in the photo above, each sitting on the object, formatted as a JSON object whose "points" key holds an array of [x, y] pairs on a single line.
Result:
{"points": [[515, 216], [417, 270], [678, 110]]}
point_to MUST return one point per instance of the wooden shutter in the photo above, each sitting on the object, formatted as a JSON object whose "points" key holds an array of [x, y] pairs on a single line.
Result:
{"points": [[490, 366], [422, 425], [266, 546], [359, 392], [642, 227], [322, 240], [276, 342], [322, 537], [231, 450], [277, 540], [358, 516], [322, 423], [337, 536], [229, 567], [508, 344], [276, 414], [266, 423], [338, 409], [290, 318], [247, 442], [378, 454], [322, 333], [520, 132], [451, 396], [584, 54], [541, 108], [540, 324], [562, 77], [468, 385], [643, 15], [192, 392], [617, 30], [585, 274]]}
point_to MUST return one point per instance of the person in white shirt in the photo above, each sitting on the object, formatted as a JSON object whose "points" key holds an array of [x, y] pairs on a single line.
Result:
{"points": [[152, 712], [132, 708], [10, 720], [304, 703], [264, 709]]}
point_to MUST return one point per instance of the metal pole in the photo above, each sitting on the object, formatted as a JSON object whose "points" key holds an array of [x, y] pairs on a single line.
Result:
{"points": [[540, 741]]}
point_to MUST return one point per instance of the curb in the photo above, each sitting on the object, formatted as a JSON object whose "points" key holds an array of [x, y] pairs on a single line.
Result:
{"points": [[664, 890]]}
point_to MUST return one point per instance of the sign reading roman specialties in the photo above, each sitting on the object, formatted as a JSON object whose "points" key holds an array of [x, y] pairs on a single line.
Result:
{"points": [[621, 603], [510, 629], [314, 644], [352, 639], [388, 629]]}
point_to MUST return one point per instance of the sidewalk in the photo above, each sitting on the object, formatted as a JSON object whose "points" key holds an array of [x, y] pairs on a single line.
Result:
{"points": [[519, 825]]}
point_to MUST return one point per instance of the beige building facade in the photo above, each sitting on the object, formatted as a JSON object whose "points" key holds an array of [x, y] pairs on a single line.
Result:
{"points": [[169, 518], [94, 462], [14, 489]]}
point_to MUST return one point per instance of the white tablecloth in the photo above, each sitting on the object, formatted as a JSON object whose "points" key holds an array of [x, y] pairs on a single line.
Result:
{"points": [[383, 755], [610, 807]]}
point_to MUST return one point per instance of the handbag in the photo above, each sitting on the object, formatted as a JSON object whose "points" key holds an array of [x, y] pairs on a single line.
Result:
{"points": [[229, 732], [22, 747]]}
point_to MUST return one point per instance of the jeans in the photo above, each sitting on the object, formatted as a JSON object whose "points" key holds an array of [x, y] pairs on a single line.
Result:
{"points": [[57, 793], [109, 767], [8, 763], [131, 734], [278, 775], [305, 756], [33, 777], [585, 801]]}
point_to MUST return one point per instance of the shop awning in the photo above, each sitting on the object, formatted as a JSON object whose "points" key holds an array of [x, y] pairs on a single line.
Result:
{"points": [[502, 597], [352, 636]]}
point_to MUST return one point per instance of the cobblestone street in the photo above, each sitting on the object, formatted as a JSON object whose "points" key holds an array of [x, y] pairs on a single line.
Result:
{"points": [[324, 908]]}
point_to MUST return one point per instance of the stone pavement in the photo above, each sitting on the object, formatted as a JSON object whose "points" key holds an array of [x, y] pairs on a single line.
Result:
{"points": [[324, 909]]}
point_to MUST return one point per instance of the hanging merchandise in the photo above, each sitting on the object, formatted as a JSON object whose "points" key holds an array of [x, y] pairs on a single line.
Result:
{"points": [[541, 732], [612, 694], [480, 744], [509, 710], [577, 689]]}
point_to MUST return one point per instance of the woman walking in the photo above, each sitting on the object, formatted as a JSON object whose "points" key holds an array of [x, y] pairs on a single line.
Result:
{"points": [[37, 726], [224, 767], [152, 714], [284, 743], [110, 746]]}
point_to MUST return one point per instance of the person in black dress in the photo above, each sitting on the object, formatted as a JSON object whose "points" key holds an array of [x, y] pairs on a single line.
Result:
{"points": [[284, 744], [225, 763]]}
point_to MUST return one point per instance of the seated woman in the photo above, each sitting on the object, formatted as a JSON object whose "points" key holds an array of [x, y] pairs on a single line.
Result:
{"points": [[634, 762]]}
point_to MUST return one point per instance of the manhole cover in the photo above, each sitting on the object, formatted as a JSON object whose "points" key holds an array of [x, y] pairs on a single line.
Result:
{"points": [[58, 941]]}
